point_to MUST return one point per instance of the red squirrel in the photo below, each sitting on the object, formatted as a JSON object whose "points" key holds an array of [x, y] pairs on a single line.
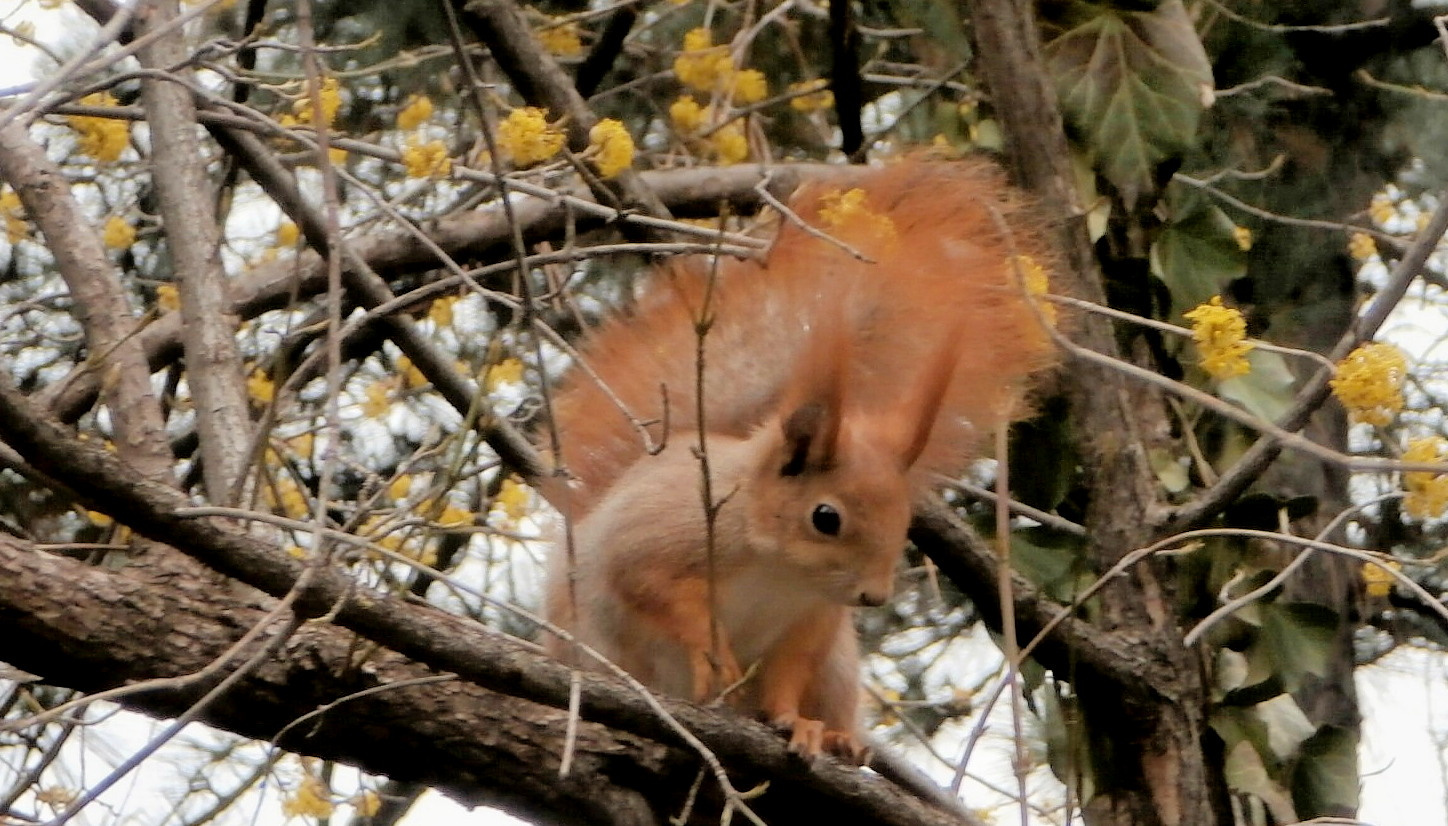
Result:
{"points": [[887, 331]]}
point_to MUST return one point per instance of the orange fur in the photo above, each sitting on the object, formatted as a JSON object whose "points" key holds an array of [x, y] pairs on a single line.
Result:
{"points": [[830, 382]]}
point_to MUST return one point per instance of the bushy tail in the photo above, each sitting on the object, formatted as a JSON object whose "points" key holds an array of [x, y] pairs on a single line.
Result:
{"points": [[905, 279]]}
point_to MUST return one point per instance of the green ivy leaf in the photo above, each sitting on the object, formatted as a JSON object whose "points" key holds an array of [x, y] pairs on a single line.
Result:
{"points": [[1325, 779], [1294, 640], [1265, 391], [1197, 255], [1133, 84]]}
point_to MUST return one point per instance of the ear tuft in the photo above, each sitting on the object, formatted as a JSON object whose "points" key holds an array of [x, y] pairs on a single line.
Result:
{"points": [[809, 436]]}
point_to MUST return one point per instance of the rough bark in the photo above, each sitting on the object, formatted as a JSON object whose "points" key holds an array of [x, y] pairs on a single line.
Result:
{"points": [[1159, 772], [441, 641], [214, 370]]}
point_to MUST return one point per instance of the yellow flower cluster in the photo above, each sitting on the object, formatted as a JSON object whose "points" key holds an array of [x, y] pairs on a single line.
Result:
{"points": [[750, 86], [1378, 582], [415, 113], [811, 96], [513, 500], [311, 799], [287, 234], [426, 160], [561, 39], [848, 211], [525, 136], [118, 234], [1381, 209], [687, 115], [1220, 333], [331, 96], [729, 144], [101, 138], [410, 373], [1427, 492], [1244, 238], [707, 68], [377, 399], [1036, 283], [441, 311], [16, 227], [507, 371], [260, 387], [702, 65], [1369, 383], [1361, 246], [613, 148], [168, 298]]}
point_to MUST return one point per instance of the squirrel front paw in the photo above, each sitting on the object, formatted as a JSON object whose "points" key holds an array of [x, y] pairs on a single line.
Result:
{"points": [[809, 738]]}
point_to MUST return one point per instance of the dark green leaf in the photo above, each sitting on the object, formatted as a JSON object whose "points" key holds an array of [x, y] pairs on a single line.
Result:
{"points": [[1134, 85]]}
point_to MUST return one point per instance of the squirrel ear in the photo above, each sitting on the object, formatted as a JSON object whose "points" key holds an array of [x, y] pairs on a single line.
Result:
{"points": [[921, 410], [810, 434]]}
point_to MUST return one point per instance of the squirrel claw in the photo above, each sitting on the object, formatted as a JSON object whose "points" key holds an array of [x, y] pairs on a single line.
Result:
{"points": [[847, 747], [806, 737]]}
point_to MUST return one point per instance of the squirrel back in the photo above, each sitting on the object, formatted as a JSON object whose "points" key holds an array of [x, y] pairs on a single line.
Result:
{"points": [[947, 244]]}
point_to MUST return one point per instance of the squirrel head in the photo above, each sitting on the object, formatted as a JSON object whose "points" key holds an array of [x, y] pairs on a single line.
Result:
{"points": [[831, 501], [833, 491]]}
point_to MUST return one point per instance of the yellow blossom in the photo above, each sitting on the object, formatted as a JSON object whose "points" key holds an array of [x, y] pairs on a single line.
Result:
{"points": [[687, 115], [410, 373], [331, 97], [1244, 238], [311, 799], [750, 86], [302, 444], [1378, 582], [296, 552], [399, 488], [16, 227], [1361, 246], [525, 136], [847, 211], [426, 160], [101, 138], [99, 519], [729, 144], [337, 155], [378, 399], [700, 65], [441, 311], [1427, 492], [453, 516], [811, 96], [259, 386], [415, 113], [367, 802], [118, 234], [512, 500], [1381, 209], [287, 499], [168, 298], [1036, 283], [614, 145], [1220, 334], [507, 371], [287, 234], [1369, 382], [561, 39]]}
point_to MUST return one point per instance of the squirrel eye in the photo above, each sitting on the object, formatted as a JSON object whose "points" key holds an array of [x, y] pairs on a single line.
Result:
{"points": [[826, 520]]}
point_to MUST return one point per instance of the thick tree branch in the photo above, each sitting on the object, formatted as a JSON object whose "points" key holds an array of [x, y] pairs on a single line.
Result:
{"points": [[214, 369], [422, 633]]}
